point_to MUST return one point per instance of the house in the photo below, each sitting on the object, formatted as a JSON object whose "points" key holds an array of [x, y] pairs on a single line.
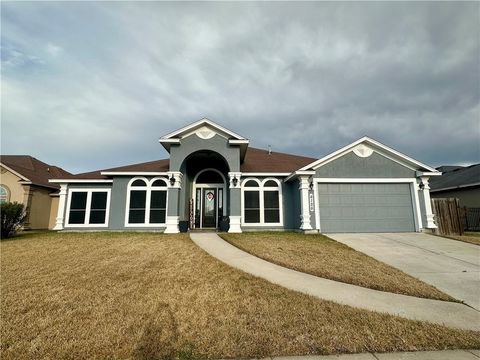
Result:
{"points": [[461, 182], [212, 174], [24, 179]]}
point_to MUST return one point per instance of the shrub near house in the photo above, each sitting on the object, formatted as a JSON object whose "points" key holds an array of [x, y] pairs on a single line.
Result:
{"points": [[12, 217]]}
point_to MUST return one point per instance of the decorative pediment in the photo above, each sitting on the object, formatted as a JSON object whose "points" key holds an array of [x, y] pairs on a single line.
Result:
{"points": [[205, 129], [362, 150], [205, 132]]}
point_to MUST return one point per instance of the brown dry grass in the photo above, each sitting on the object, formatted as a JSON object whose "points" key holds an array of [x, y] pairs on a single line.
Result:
{"points": [[151, 296], [321, 256], [468, 237]]}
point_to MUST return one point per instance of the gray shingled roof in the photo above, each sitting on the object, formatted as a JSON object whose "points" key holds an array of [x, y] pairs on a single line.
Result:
{"points": [[458, 177]]}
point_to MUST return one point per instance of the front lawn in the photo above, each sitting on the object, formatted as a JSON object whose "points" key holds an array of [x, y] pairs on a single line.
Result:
{"points": [[151, 296], [469, 237], [321, 256]]}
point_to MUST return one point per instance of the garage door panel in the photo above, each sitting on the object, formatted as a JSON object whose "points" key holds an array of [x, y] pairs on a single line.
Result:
{"points": [[366, 207]]}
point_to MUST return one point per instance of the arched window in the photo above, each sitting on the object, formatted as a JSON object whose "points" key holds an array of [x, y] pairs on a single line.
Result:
{"points": [[4, 194], [261, 202], [147, 202], [209, 177]]}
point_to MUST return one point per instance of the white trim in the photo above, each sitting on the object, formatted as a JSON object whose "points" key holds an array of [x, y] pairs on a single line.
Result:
{"points": [[61, 207], [136, 173], [417, 213], [170, 141], [261, 188], [364, 180], [232, 175], [429, 215], [427, 173], [89, 192], [74, 181], [196, 186], [297, 173], [238, 142], [265, 174], [417, 216], [199, 123], [171, 223], [25, 182], [316, 164], [178, 176], [148, 188], [14, 172], [304, 185], [235, 224]]}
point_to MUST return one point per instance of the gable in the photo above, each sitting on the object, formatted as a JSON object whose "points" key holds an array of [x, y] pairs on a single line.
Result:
{"points": [[365, 147], [375, 165]]}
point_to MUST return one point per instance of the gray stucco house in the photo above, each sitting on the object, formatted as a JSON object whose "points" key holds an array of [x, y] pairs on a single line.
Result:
{"points": [[213, 176]]}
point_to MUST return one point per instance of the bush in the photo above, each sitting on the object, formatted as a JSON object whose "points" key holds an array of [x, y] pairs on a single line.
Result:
{"points": [[13, 217]]}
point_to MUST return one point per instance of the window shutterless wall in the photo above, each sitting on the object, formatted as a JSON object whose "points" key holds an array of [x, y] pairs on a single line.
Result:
{"points": [[262, 202], [87, 208]]}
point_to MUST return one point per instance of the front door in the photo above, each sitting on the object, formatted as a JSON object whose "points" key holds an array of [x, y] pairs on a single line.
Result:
{"points": [[209, 219], [209, 206]]}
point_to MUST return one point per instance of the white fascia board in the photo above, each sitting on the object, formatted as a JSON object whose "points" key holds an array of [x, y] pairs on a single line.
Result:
{"points": [[73, 181], [298, 173], [15, 173], [426, 173], [169, 141], [245, 174], [200, 122], [25, 182], [400, 155], [318, 163], [113, 173], [238, 142]]}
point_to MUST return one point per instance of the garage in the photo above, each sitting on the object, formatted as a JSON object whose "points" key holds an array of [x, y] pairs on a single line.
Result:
{"points": [[365, 207]]}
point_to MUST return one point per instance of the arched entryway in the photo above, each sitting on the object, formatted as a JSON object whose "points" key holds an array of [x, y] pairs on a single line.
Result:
{"points": [[205, 191], [209, 198]]}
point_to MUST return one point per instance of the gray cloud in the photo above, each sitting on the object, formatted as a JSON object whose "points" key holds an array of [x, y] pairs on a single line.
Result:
{"points": [[93, 85]]}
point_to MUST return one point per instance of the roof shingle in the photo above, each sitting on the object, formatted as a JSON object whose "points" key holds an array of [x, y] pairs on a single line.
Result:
{"points": [[256, 160], [34, 170]]}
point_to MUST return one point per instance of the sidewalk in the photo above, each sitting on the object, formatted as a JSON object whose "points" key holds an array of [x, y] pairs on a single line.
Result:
{"points": [[439, 312], [418, 355]]}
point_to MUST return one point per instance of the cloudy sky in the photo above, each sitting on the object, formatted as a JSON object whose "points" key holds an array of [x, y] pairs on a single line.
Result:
{"points": [[94, 85]]}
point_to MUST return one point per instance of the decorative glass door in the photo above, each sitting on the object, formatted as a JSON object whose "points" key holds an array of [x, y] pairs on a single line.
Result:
{"points": [[209, 219]]}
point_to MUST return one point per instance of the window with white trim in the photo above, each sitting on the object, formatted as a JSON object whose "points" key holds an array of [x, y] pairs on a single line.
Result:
{"points": [[146, 202], [261, 202], [88, 207], [4, 195]]}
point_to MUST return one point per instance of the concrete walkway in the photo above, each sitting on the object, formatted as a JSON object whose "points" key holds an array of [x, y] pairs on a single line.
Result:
{"points": [[449, 265], [440, 312], [417, 355]]}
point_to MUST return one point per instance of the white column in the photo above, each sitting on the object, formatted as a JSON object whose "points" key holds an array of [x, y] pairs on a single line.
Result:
{"points": [[305, 216], [428, 203], [62, 201], [235, 202]]}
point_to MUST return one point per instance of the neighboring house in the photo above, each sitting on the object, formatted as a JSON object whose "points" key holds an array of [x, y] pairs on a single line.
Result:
{"points": [[458, 182], [212, 173], [24, 179]]}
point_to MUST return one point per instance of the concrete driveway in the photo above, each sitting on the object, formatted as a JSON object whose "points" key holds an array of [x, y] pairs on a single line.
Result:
{"points": [[449, 265]]}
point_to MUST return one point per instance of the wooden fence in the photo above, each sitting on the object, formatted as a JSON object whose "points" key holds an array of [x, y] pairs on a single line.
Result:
{"points": [[449, 216]]}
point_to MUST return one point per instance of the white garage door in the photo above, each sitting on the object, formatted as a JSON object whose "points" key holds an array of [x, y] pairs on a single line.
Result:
{"points": [[366, 207]]}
